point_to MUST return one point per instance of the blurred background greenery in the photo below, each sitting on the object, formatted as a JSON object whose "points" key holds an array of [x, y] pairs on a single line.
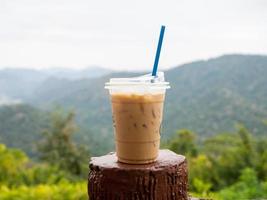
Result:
{"points": [[215, 114], [56, 55]]}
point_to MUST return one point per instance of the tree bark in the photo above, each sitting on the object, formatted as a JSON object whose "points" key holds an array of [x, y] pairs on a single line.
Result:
{"points": [[165, 179]]}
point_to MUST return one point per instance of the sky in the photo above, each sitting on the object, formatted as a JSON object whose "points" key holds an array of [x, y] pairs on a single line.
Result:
{"points": [[123, 35]]}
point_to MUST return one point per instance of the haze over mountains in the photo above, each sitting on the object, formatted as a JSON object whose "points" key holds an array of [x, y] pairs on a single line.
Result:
{"points": [[19, 83], [207, 96]]}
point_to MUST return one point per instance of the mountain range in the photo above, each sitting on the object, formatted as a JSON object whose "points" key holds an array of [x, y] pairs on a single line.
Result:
{"points": [[206, 96], [21, 83]]}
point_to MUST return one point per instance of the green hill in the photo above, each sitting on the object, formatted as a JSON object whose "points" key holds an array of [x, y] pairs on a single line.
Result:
{"points": [[212, 96], [21, 126], [207, 96]]}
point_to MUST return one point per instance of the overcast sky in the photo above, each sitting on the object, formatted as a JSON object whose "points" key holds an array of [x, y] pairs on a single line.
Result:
{"points": [[121, 34]]}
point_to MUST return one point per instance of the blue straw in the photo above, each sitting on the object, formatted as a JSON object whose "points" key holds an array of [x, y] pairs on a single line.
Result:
{"points": [[156, 62]]}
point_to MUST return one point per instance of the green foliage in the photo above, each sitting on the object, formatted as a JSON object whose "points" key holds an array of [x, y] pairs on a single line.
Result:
{"points": [[44, 173], [247, 187], [12, 164], [22, 179], [184, 143], [57, 178], [207, 97], [21, 125], [58, 148], [201, 187], [232, 163], [225, 166], [17, 169], [261, 164], [230, 153], [201, 174], [64, 190]]}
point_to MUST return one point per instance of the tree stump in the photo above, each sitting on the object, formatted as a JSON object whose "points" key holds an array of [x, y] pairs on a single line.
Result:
{"points": [[164, 179]]}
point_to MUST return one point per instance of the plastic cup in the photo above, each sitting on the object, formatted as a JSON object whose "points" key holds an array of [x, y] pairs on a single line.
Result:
{"points": [[137, 110]]}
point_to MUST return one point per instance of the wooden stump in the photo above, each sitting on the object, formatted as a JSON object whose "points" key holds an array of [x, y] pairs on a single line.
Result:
{"points": [[164, 179]]}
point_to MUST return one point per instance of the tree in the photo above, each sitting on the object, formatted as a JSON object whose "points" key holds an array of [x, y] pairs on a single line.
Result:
{"points": [[261, 164], [230, 153], [12, 163], [247, 187], [58, 148], [201, 174], [184, 143]]}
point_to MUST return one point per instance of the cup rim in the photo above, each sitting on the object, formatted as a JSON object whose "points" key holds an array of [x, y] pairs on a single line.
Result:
{"points": [[162, 85]]}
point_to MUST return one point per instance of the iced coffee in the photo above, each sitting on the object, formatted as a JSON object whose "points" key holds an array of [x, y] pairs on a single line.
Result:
{"points": [[137, 110]]}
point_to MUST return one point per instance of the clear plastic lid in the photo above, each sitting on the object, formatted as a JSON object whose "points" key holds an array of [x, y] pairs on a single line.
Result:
{"points": [[157, 82]]}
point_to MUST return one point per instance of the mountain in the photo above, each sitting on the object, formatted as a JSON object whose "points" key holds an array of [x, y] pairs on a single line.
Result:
{"points": [[21, 126], [20, 84], [213, 95], [8, 101], [206, 96], [76, 74]]}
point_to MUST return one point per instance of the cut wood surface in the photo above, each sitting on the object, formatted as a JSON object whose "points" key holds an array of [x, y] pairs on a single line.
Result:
{"points": [[165, 179]]}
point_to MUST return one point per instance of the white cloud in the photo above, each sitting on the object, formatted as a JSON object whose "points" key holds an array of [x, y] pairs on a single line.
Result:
{"points": [[123, 34]]}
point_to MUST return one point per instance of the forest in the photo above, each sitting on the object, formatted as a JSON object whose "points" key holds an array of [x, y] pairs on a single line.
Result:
{"points": [[215, 113], [229, 165]]}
